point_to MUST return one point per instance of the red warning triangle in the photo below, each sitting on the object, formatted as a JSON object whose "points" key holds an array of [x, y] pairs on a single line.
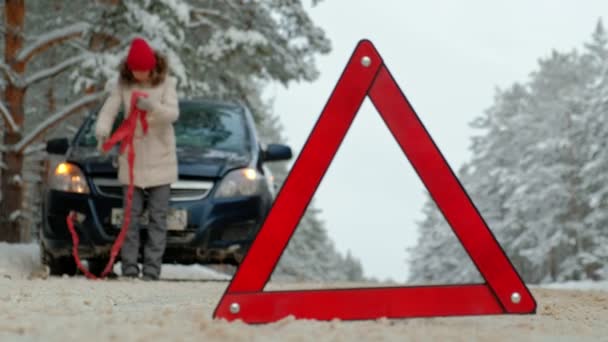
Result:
{"points": [[366, 75]]}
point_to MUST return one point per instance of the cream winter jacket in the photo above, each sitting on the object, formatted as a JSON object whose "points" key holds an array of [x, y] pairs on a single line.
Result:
{"points": [[155, 156]]}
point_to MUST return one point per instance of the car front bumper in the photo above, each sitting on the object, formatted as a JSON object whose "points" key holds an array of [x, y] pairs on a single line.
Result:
{"points": [[214, 225]]}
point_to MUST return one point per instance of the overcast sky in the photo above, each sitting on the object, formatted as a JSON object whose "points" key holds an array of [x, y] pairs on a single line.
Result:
{"points": [[448, 58]]}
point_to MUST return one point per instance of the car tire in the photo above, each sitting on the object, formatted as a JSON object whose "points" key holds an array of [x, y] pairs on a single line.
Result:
{"points": [[239, 256], [58, 266], [97, 265]]}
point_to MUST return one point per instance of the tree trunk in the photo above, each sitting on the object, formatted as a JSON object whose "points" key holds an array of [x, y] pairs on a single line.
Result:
{"points": [[12, 180]]}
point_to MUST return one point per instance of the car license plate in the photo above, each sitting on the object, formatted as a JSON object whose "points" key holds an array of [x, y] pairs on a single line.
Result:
{"points": [[177, 219]]}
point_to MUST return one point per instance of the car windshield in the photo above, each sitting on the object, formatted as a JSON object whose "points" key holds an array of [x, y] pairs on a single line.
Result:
{"points": [[200, 126]]}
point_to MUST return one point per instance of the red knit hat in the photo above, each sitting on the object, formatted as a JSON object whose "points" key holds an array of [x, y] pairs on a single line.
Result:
{"points": [[141, 56]]}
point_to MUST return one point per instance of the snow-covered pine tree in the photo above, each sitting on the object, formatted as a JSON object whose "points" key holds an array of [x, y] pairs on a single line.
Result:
{"points": [[438, 257], [488, 179], [536, 169], [495, 173], [548, 193], [220, 49], [594, 257], [312, 256]]}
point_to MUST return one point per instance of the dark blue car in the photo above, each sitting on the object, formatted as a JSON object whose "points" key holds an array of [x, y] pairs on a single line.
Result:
{"points": [[223, 194]]}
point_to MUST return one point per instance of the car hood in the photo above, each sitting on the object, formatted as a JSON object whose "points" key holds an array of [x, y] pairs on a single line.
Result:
{"points": [[193, 163]]}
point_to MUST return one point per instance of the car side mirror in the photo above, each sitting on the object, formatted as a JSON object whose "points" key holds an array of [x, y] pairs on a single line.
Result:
{"points": [[277, 152], [58, 146]]}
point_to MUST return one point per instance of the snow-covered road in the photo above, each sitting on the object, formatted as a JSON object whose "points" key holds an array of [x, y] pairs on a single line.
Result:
{"points": [[71, 309]]}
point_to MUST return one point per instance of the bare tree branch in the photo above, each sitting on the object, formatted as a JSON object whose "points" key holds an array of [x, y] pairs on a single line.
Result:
{"points": [[203, 22], [57, 69], [204, 12], [235, 7], [56, 118], [8, 118], [5, 30], [50, 39], [12, 77], [72, 128], [34, 149]]}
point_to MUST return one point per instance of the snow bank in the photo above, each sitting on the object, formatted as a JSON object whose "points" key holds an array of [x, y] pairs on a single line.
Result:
{"points": [[18, 260], [578, 285], [192, 272]]}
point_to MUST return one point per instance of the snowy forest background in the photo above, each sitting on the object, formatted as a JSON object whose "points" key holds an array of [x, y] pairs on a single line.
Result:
{"points": [[538, 171], [538, 175]]}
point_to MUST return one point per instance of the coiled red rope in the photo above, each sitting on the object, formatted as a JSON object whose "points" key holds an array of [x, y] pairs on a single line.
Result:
{"points": [[123, 135]]}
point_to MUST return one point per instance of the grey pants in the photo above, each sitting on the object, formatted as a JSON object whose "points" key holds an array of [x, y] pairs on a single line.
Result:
{"points": [[158, 206]]}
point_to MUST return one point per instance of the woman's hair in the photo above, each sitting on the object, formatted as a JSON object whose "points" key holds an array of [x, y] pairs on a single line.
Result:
{"points": [[157, 76]]}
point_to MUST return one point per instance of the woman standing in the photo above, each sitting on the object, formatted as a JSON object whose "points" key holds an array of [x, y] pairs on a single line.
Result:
{"points": [[145, 71]]}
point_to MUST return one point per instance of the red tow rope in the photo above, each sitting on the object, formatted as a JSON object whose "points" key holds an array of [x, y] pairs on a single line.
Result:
{"points": [[123, 135]]}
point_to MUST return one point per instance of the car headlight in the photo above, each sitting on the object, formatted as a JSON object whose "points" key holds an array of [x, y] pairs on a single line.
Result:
{"points": [[69, 178], [241, 182]]}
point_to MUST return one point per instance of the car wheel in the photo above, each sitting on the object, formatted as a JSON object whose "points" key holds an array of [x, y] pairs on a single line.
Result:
{"points": [[97, 265], [240, 254], [58, 265]]}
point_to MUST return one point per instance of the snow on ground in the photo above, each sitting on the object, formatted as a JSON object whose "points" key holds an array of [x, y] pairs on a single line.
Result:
{"points": [[23, 261], [192, 272], [72, 309], [579, 285], [19, 260], [76, 309]]}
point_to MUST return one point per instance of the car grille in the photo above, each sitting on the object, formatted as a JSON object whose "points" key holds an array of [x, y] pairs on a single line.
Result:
{"points": [[183, 190]]}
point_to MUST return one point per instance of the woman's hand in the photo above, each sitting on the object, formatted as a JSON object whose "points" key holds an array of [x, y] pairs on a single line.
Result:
{"points": [[101, 139]]}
